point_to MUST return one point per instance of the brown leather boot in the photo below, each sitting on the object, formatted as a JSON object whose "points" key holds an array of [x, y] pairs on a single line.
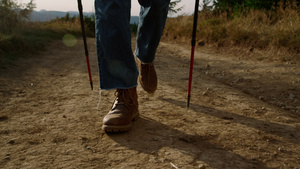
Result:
{"points": [[147, 77], [123, 112]]}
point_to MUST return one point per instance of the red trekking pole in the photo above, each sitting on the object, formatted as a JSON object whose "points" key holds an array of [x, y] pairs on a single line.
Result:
{"points": [[85, 43], [193, 51]]}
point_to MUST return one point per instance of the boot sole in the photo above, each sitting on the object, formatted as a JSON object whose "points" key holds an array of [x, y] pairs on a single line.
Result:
{"points": [[119, 129]]}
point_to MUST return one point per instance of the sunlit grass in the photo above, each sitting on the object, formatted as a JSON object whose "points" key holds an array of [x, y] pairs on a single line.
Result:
{"points": [[258, 29]]}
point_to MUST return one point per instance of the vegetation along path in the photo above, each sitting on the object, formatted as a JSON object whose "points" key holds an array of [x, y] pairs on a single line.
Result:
{"points": [[244, 113]]}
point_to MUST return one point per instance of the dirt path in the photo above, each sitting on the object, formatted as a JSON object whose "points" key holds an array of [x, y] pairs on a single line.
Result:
{"points": [[243, 114]]}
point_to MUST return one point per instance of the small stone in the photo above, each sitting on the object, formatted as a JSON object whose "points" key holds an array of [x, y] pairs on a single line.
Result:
{"points": [[7, 157], [201, 166], [155, 139], [201, 43], [291, 97], [12, 142], [153, 160], [3, 118], [162, 160]]}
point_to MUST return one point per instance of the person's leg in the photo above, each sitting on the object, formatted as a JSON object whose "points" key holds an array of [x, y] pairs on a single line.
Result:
{"points": [[117, 67], [153, 16], [151, 26]]}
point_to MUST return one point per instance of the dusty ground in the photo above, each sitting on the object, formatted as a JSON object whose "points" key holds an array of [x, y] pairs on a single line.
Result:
{"points": [[244, 113]]}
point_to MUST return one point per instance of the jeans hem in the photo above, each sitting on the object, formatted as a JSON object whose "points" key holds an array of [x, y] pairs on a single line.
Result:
{"points": [[119, 87]]}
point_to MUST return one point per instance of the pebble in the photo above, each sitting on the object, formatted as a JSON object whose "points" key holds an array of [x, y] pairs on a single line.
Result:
{"points": [[3, 118], [153, 160], [11, 141], [162, 160], [256, 111], [291, 97], [261, 98], [155, 139], [7, 157], [201, 166]]}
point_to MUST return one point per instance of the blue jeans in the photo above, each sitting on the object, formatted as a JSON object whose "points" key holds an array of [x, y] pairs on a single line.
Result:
{"points": [[117, 67]]}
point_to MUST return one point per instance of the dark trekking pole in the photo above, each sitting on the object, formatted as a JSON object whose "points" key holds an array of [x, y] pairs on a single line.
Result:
{"points": [[84, 41], [193, 51]]}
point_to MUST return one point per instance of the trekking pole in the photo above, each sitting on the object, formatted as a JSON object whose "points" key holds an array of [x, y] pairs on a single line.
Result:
{"points": [[193, 51], [85, 43]]}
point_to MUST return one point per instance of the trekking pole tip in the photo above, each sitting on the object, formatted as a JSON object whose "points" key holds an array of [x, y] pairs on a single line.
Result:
{"points": [[188, 101], [92, 85]]}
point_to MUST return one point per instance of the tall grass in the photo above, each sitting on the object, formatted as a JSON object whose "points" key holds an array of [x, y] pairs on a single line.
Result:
{"points": [[258, 29]]}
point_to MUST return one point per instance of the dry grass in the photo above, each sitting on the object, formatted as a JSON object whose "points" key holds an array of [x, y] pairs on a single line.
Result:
{"points": [[30, 38], [253, 29]]}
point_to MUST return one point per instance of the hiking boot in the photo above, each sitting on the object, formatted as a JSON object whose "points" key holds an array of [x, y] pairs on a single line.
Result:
{"points": [[123, 112], [147, 77]]}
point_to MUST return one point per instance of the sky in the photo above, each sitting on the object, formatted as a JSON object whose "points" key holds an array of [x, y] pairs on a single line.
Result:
{"points": [[88, 6]]}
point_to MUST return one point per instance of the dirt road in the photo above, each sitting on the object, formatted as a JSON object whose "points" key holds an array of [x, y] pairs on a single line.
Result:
{"points": [[244, 113]]}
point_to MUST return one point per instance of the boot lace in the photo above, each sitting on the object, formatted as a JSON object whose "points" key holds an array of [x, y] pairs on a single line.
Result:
{"points": [[123, 97]]}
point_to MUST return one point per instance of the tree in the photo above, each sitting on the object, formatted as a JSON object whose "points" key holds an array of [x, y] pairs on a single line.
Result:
{"points": [[207, 5], [172, 6], [27, 10], [12, 13], [226, 5]]}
